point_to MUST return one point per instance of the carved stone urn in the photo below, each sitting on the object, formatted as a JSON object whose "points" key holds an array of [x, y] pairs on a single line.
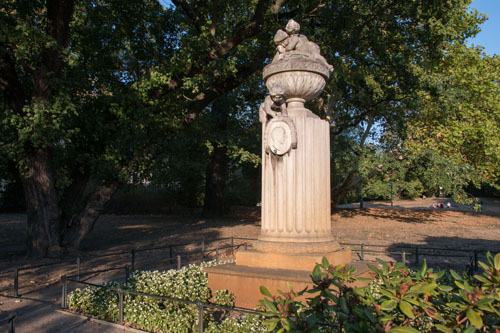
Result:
{"points": [[302, 78]]}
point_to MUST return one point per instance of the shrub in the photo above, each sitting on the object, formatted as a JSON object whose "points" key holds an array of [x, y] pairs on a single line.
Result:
{"points": [[189, 283], [395, 299]]}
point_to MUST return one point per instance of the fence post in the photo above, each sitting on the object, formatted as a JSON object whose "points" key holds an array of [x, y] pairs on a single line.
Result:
{"points": [[246, 246], [403, 255], [132, 264], [171, 251], [416, 256], [362, 251], [202, 249], [126, 273], [120, 306], [12, 317], [178, 262], [216, 254], [475, 260], [64, 291], [78, 267], [232, 245], [16, 282], [200, 317]]}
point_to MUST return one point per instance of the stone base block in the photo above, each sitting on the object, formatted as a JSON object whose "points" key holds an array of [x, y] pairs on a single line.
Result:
{"points": [[301, 262], [294, 247], [245, 281]]}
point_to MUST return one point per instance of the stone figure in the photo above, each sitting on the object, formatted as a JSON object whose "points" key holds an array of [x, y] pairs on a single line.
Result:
{"points": [[292, 43], [274, 104]]}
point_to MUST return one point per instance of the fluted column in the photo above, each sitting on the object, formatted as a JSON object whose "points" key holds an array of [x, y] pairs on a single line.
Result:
{"points": [[296, 190]]}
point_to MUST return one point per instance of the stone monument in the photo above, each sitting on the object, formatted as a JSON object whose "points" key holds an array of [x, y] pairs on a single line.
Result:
{"points": [[296, 225]]}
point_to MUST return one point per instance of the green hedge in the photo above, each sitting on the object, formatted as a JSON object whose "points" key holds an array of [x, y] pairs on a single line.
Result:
{"points": [[395, 299], [188, 283]]}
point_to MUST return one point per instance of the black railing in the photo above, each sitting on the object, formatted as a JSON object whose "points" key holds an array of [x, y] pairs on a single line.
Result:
{"points": [[173, 256], [121, 292], [405, 253]]}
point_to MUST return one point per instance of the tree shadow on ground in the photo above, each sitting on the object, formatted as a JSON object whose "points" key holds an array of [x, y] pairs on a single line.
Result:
{"points": [[413, 215], [444, 252], [398, 214]]}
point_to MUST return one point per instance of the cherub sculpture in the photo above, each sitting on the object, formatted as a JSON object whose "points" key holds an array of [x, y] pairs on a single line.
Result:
{"points": [[291, 42], [274, 104]]}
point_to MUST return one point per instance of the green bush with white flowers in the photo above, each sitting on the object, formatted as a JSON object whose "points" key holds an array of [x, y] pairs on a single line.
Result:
{"points": [[189, 283]]}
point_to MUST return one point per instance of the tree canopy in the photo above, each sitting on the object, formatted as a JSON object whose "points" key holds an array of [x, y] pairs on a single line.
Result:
{"points": [[95, 92]]}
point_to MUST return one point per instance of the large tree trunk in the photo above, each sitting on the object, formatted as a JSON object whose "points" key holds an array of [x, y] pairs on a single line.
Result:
{"points": [[42, 208], [215, 180], [215, 183], [83, 221]]}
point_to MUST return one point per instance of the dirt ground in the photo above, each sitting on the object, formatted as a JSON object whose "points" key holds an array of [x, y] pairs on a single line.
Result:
{"points": [[409, 223]]}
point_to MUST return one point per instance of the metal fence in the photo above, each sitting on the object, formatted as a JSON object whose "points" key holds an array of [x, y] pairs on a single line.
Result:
{"points": [[409, 255], [10, 321], [173, 256], [121, 292]]}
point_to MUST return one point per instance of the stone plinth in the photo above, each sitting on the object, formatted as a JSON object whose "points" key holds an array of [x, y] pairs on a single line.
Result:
{"points": [[302, 262], [245, 281]]}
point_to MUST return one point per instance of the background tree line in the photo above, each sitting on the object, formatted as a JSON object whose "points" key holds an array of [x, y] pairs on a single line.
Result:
{"points": [[99, 94]]}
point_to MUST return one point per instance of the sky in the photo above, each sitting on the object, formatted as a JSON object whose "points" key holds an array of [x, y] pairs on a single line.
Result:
{"points": [[490, 30]]}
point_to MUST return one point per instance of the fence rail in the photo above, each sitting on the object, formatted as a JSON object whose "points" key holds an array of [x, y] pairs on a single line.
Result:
{"points": [[417, 252], [121, 292]]}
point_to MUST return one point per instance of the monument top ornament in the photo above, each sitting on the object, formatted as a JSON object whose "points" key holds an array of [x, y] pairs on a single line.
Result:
{"points": [[298, 68]]}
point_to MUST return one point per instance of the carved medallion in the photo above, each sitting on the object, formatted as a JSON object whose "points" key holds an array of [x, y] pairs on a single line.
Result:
{"points": [[281, 136]]}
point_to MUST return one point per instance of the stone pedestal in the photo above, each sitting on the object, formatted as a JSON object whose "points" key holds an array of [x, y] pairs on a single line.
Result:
{"points": [[303, 261], [245, 281]]}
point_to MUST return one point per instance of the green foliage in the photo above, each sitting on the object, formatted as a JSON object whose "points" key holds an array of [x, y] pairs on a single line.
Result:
{"points": [[395, 299], [189, 283], [459, 121]]}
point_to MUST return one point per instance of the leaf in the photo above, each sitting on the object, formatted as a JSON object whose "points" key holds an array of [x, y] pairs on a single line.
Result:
{"points": [[316, 273], [270, 305], [373, 268], [474, 318], [443, 328], [265, 292], [455, 275], [423, 269], [459, 285], [388, 305], [271, 323], [481, 279], [407, 309], [446, 288], [403, 329], [428, 288], [497, 261], [325, 263], [469, 329], [343, 305]]}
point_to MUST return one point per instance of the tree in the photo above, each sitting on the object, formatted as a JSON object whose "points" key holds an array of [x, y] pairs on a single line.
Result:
{"points": [[84, 88], [93, 94], [461, 120]]}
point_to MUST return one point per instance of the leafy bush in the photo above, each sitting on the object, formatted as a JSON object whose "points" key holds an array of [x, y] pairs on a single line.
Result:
{"points": [[395, 299], [189, 283]]}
